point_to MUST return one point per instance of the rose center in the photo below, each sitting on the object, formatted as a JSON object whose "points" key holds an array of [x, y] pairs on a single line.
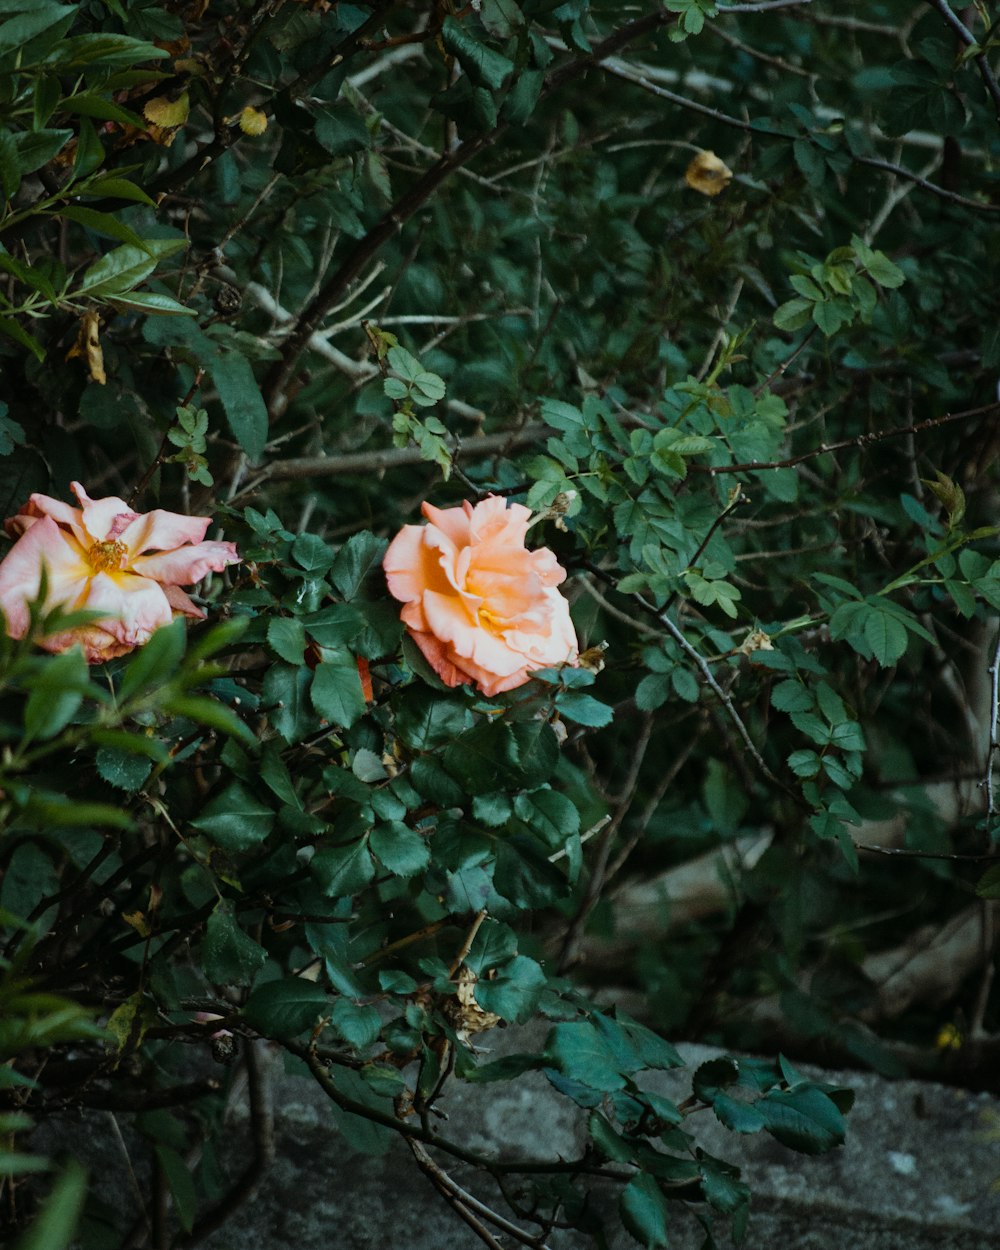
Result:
{"points": [[107, 557]]}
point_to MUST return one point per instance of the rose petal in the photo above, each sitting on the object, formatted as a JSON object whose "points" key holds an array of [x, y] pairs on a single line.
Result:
{"points": [[164, 531], [416, 560], [104, 519], [186, 565], [44, 544], [134, 606], [182, 603], [454, 522]]}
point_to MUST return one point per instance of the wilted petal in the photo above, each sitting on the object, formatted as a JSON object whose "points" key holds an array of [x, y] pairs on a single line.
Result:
{"points": [[163, 531], [182, 603], [186, 565], [43, 545], [104, 519], [134, 606]]}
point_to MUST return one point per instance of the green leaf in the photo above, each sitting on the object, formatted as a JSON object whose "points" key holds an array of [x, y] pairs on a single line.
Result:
{"points": [[359, 556], [358, 1026], [286, 694], [236, 819], [738, 1117], [56, 694], [514, 993], [154, 664], [242, 403], [108, 225], [283, 1009], [123, 769], [180, 1183], [54, 1226], [793, 315], [583, 709], [153, 303], [485, 67], [15, 331], [125, 267], [36, 148], [805, 1119], [336, 691], [400, 849], [988, 885], [286, 636], [644, 1211], [886, 636], [342, 871], [230, 956], [577, 1050]]}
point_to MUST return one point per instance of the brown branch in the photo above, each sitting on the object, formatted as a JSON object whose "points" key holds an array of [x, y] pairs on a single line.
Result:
{"points": [[381, 459], [393, 220], [860, 440], [262, 1132]]}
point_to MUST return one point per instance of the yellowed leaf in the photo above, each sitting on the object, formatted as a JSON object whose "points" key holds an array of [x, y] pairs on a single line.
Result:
{"points": [[253, 121], [707, 174], [88, 346], [138, 922], [166, 116]]}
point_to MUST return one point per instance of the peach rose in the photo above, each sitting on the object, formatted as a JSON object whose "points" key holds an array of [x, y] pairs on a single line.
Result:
{"points": [[478, 604], [104, 557]]}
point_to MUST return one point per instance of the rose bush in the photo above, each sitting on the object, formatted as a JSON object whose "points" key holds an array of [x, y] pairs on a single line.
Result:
{"points": [[104, 557], [478, 604]]}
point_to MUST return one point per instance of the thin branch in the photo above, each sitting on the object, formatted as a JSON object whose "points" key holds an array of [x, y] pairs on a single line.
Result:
{"points": [[395, 457], [598, 872], [764, 7], [262, 1132], [459, 1197], [861, 440], [994, 671], [410, 1131], [621, 70], [392, 221], [969, 39]]}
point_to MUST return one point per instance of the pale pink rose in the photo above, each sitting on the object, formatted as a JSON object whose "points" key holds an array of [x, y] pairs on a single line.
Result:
{"points": [[104, 557], [478, 604]]}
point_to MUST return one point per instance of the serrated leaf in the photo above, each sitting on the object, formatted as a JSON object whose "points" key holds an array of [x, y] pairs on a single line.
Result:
{"points": [[285, 1008], [242, 403], [644, 1212], [230, 956], [401, 849], [236, 819], [336, 691]]}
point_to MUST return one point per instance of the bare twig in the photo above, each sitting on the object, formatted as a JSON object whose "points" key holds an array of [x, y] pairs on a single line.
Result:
{"points": [[574, 934], [461, 1198], [262, 1132], [860, 440], [969, 39], [623, 71], [392, 221]]}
